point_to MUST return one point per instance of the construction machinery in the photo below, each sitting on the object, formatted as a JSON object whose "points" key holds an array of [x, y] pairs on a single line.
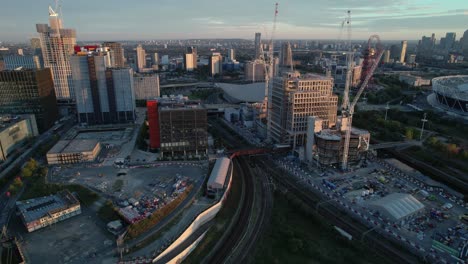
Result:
{"points": [[347, 115]]}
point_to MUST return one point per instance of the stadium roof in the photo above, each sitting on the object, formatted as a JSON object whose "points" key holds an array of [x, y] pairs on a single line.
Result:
{"points": [[398, 205], [219, 173], [455, 86], [252, 92]]}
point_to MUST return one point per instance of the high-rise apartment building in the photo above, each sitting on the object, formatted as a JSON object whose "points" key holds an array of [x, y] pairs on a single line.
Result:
{"points": [[140, 58], [29, 91], [117, 53], [17, 61], [57, 45], [450, 40], [231, 55], [404, 45], [155, 61], [386, 57], [464, 43], [286, 55], [146, 86], [216, 63], [194, 57], [293, 99], [254, 71], [188, 62], [102, 95], [258, 42]]}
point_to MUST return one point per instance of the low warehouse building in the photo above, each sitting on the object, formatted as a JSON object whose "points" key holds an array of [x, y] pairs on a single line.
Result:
{"points": [[74, 151], [43, 211], [397, 206], [217, 180]]}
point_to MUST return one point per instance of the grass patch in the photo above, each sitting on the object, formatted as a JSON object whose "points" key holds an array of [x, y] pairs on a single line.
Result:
{"points": [[107, 212], [221, 223], [295, 236], [117, 186], [37, 188]]}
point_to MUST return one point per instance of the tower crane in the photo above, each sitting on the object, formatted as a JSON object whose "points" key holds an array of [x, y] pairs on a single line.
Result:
{"points": [[268, 66], [348, 113], [349, 63]]}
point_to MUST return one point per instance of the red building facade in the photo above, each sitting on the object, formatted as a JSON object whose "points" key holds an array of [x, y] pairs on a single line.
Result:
{"points": [[153, 121]]}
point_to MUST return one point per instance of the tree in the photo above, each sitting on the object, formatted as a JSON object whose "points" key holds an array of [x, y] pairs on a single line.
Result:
{"points": [[26, 172], [409, 133], [452, 149]]}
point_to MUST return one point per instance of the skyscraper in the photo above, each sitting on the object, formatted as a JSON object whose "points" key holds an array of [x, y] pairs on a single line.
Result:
{"points": [[57, 45], [231, 55], [450, 40], [258, 42], [216, 63], [140, 58], [27, 62], [386, 58], [117, 53], [146, 86], [464, 43], [286, 55], [99, 94], [404, 45], [155, 61], [29, 91], [188, 62], [194, 57]]}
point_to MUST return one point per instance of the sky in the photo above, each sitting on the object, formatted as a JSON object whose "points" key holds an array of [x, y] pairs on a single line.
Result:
{"points": [[187, 19]]}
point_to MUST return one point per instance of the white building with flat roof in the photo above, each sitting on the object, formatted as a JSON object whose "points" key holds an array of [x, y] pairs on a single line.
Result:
{"points": [[74, 151]]}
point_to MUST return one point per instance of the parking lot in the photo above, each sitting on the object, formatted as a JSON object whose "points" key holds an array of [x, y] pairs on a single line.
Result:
{"points": [[77, 240], [437, 223]]}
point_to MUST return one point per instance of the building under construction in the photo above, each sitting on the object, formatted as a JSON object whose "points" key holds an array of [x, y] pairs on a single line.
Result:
{"points": [[293, 99], [330, 143]]}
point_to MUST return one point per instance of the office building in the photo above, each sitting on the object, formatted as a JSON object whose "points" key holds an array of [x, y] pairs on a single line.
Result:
{"points": [[258, 42], [103, 95], [40, 212], [14, 131], [117, 53], [411, 59], [182, 127], [73, 151], [140, 58], [146, 86], [292, 99], [286, 55], [404, 45], [29, 91], [165, 60], [216, 63], [57, 45], [20, 61]]}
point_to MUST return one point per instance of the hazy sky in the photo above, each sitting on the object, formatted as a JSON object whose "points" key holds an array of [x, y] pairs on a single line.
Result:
{"points": [[163, 19]]}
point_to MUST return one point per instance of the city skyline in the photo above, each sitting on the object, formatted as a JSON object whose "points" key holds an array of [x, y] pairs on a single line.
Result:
{"points": [[187, 20]]}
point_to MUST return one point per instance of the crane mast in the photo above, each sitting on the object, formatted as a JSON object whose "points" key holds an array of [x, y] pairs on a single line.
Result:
{"points": [[269, 73], [350, 111], [349, 64]]}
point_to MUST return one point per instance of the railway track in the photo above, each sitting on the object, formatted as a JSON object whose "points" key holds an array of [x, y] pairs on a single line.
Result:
{"points": [[343, 220], [241, 223]]}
